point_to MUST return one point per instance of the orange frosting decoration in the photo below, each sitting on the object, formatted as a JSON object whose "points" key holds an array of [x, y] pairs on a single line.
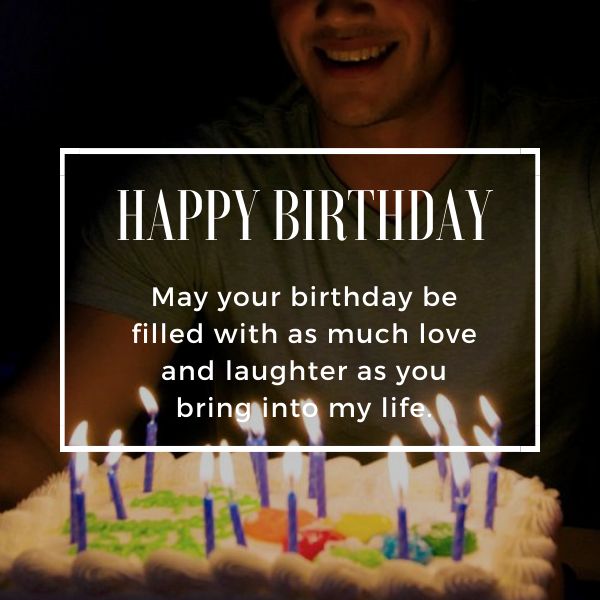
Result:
{"points": [[270, 524]]}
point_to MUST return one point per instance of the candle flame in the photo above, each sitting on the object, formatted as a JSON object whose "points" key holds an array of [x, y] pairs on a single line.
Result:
{"points": [[398, 469], [112, 458], [79, 438], [148, 400], [207, 467], [485, 440], [312, 424], [454, 437], [431, 425], [79, 434], [460, 469], [256, 423], [244, 425], [226, 466], [445, 411], [292, 465], [490, 415]]}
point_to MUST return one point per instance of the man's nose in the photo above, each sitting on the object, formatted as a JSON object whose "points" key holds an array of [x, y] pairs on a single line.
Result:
{"points": [[334, 11]]}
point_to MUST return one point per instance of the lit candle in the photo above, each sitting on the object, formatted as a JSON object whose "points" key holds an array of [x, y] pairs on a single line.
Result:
{"points": [[492, 419], [81, 469], [316, 464], [312, 491], [448, 418], [228, 480], [292, 470], [112, 461], [207, 471], [257, 427], [77, 438], [492, 487], [398, 470], [455, 439], [446, 412], [250, 441], [434, 432], [460, 473], [152, 409]]}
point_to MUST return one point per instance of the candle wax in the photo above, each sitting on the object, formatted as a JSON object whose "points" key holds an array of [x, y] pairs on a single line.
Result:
{"points": [[402, 534], [492, 492], [250, 442], [151, 429], [261, 473], [496, 435], [319, 468], [453, 493], [292, 523], [236, 521], [81, 520], [72, 487], [440, 458], [115, 492], [313, 469], [458, 544], [209, 524], [312, 488]]}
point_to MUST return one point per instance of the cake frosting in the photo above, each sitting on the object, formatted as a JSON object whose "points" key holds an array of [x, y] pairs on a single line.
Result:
{"points": [[158, 551]]}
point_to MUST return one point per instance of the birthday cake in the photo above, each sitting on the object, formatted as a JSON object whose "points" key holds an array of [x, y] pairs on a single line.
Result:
{"points": [[159, 549]]}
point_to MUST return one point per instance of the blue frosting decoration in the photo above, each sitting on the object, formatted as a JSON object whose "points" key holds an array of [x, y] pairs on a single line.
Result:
{"points": [[418, 548]]}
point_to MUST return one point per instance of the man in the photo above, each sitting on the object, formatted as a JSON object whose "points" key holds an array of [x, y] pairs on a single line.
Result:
{"points": [[380, 73]]}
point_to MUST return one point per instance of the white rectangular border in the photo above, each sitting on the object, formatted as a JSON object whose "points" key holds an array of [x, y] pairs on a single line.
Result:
{"points": [[303, 151]]}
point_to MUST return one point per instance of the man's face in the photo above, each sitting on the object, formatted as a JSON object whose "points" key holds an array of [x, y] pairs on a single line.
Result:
{"points": [[367, 61]]}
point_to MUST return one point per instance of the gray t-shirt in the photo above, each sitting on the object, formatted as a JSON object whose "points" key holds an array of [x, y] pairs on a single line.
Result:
{"points": [[493, 279]]}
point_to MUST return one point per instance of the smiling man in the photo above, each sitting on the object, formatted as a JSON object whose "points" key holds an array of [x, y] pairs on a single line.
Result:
{"points": [[372, 73], [382, 74], [403, 54]]}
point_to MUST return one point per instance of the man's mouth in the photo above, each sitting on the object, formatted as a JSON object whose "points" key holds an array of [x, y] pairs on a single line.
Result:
{"points": [[356, 57]]}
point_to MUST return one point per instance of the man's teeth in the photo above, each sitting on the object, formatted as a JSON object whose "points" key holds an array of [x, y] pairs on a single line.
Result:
{"points": [[355, 55]]}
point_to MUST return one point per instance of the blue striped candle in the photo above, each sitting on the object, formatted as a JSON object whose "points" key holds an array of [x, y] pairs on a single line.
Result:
{"points": [[207, 469], [78, 438], [292, 470], [151, 431], [461, 474]]}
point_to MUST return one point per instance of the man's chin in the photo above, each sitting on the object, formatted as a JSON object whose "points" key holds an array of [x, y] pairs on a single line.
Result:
{"points": [[351, 114]]}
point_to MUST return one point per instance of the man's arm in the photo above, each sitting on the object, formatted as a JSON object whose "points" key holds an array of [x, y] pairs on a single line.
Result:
{"points": [[103, 371]]}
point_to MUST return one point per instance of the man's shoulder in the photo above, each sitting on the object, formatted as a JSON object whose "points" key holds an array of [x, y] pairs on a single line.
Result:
{"points": [[522, 117], [249, 123]]}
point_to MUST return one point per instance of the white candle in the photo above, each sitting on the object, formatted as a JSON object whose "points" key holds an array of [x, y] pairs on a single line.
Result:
{"points": [[460, 473], [492, 418], [151, 407], [398, 469], [292, 470], [316, 473], [446, 412], [207, 470], [77, 439], [81, 470], [112, 461], [228, 481], [260, 461], [492, 487], [434, 432]]}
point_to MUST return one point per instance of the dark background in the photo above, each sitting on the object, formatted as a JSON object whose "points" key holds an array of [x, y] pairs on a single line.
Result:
{"points": [[84, 74]]}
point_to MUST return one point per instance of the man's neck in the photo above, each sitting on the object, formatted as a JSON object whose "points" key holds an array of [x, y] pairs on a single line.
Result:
{"points": [[442, 121]]}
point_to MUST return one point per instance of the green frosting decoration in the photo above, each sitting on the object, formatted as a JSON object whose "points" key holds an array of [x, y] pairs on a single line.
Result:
{"points": [[367, 557], [141, 537], [440, 538]]}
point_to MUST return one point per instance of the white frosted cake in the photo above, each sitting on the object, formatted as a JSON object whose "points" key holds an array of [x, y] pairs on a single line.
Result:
{"points": [[158, 551]]}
